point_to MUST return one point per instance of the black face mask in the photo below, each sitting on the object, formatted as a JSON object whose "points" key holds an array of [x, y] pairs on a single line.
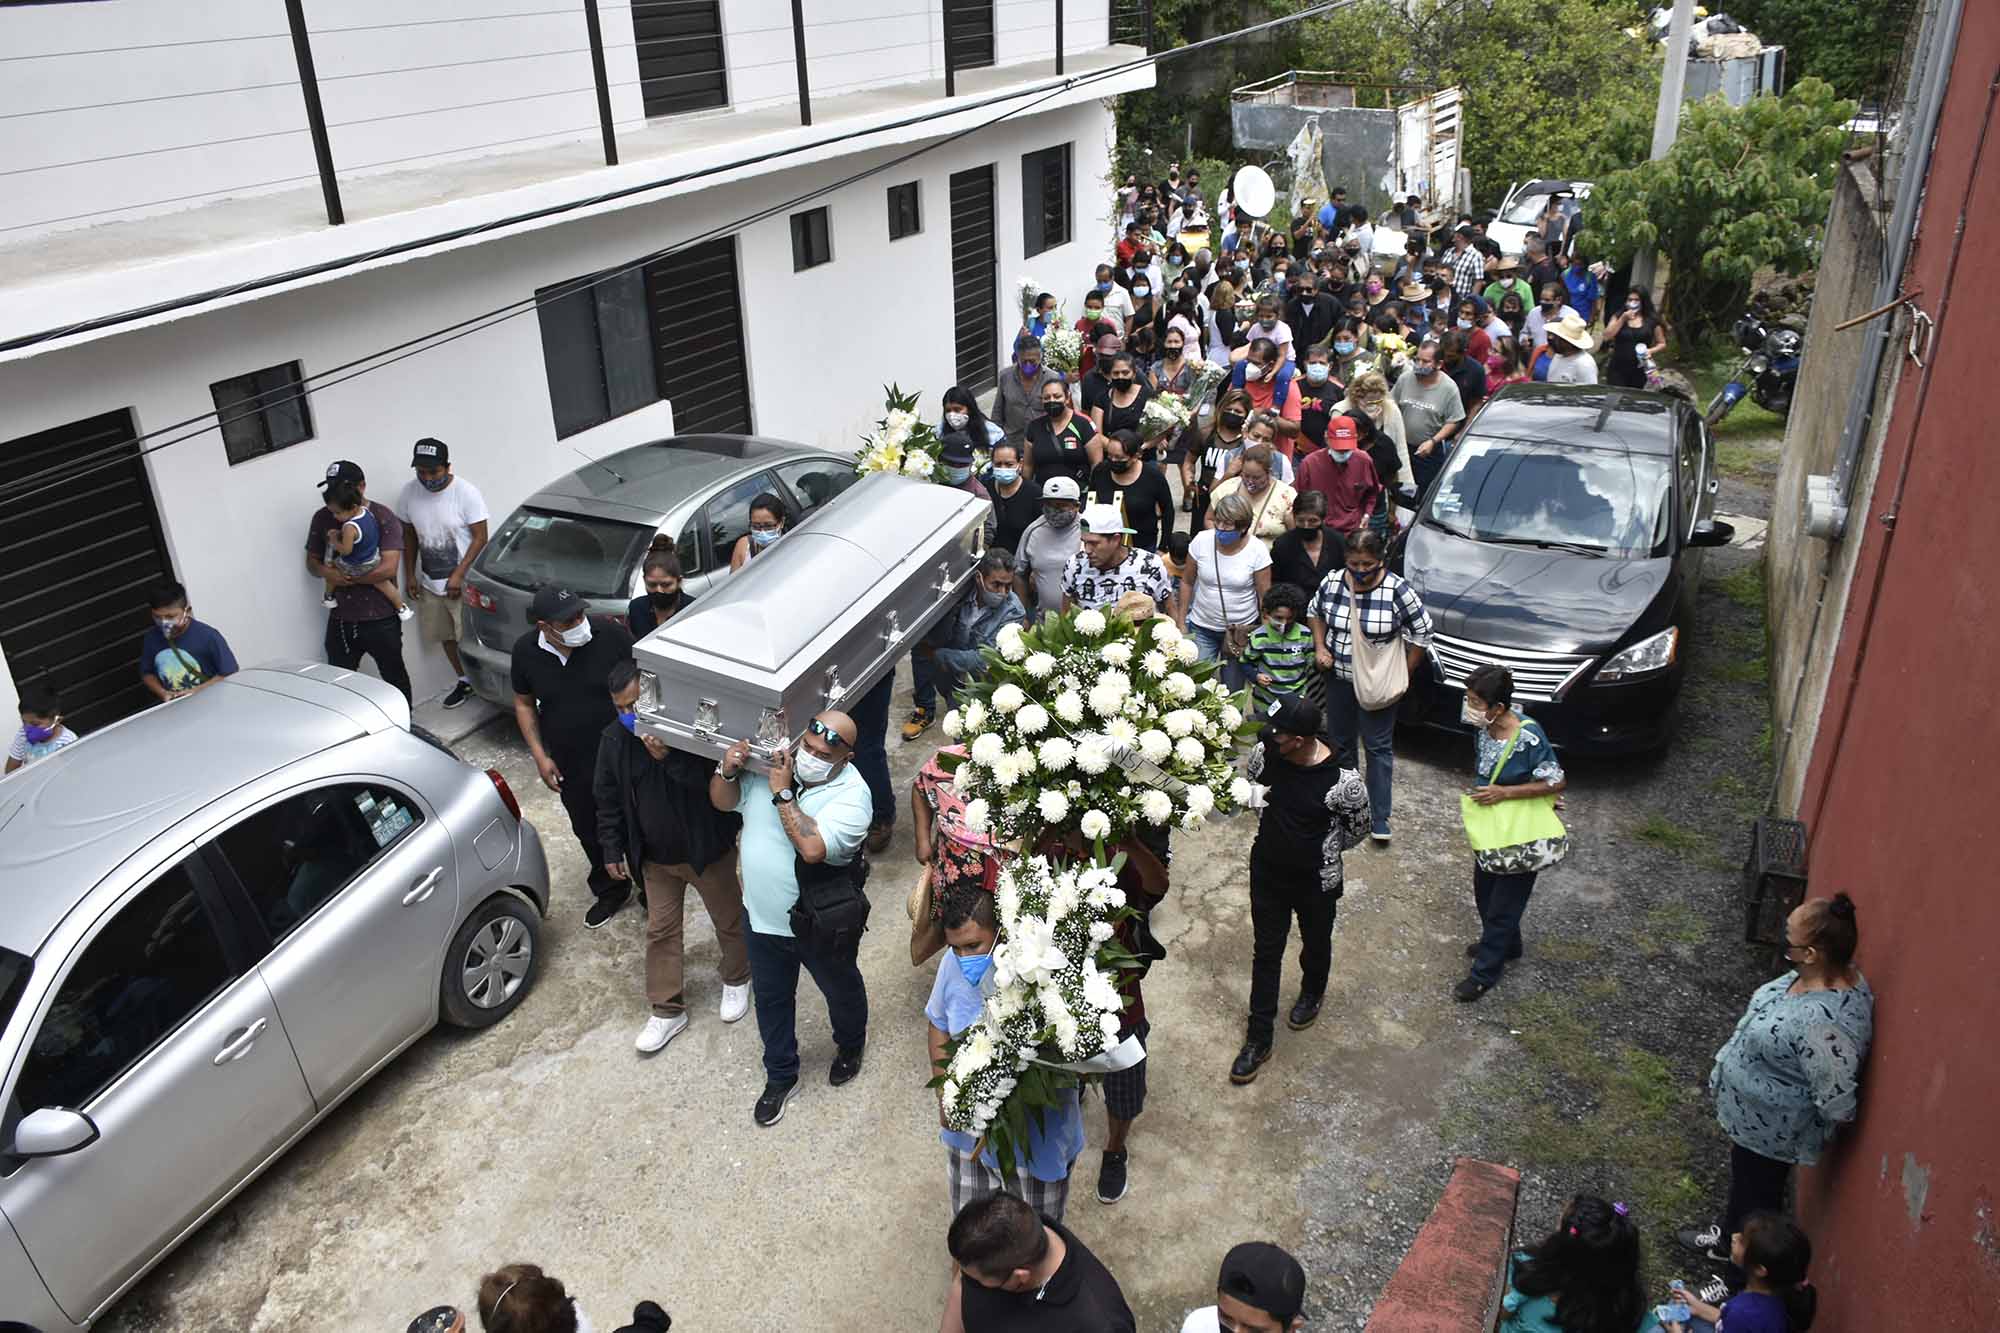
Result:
{"points": [[1118, 383], [662, 600], [1233, 420], [1052, 409]]}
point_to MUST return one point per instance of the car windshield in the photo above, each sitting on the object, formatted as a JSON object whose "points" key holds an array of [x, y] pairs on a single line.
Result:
{"points": [[1527, 210], [1538, 493], [590, 556]]}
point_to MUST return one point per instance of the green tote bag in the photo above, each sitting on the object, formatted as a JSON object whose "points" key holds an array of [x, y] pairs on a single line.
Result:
{"points": [[1517, 835]]}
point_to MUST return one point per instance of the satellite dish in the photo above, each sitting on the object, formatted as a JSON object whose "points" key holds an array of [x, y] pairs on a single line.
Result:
{"points": [[1253, 191]]}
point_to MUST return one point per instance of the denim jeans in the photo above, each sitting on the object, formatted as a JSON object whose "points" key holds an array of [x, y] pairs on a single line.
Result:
{"points": [[1209, 643], [1274, 898], [941, 674], [775, 961], [871, 756], [1350, 728], [1502, 899]]}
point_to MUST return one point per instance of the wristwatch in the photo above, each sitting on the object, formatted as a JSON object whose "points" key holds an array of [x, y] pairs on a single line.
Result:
{"points": [[783, 796]]}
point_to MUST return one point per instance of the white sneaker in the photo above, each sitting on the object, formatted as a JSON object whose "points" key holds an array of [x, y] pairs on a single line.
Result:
{"points": [[735, 1002], [658, 1032]]}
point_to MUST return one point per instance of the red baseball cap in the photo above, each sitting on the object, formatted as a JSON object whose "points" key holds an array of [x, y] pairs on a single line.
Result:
{"points": [[1341, 435]]}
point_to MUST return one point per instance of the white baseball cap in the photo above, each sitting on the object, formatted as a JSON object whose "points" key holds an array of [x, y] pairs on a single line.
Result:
{"points": [[1061, 488], [1100, 520]]}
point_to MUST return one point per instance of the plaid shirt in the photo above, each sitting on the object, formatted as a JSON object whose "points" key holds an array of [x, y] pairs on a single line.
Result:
{"points": [[1389, 608], [1468, 274]]}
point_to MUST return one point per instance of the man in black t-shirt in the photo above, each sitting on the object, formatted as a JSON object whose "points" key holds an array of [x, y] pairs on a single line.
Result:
{"points": [[559, 670], [1094, 390], [1020, 1270], [1138, 488]]}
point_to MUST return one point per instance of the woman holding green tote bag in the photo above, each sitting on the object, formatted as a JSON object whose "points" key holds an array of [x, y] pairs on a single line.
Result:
{"points": [[1510, 820]]}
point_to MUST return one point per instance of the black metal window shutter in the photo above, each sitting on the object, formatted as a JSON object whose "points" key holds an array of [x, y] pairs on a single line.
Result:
{"points": [[681, 66], [697, 315]]}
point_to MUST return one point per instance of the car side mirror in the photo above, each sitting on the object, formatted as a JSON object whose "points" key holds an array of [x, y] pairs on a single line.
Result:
{"points": [[53, 1131], [1713, 532]]}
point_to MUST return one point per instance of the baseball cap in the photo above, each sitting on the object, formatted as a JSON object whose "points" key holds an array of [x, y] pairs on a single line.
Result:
{"points": [[1101, 520], [430, 453], [1259, 1274], [1341, 434], [555, 604], [955, 449], [1293, 716], [1061, 488], [438, 1319], [342, 470]]}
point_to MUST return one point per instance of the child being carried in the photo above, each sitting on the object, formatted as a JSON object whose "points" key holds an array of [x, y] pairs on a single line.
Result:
{"points": [[355, 547]]}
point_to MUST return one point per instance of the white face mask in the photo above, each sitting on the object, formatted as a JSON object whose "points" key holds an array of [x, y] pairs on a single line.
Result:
{"points": [[957, 420], [1472, 716], [1252, 373], [810, 768], [576, 635]]}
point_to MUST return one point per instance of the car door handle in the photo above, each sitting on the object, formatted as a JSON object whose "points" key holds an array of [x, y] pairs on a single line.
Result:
{"points": [[423, 888], [240, 1042]]}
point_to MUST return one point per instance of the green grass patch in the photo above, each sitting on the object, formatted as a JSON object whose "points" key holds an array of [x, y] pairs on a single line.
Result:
{"points": [[1744, 461], [1674, 923], [1743, 798], [1745, 419], [1744, 586], [1764, 744], [1663, 832], [1567, 949], [1746, 671]]}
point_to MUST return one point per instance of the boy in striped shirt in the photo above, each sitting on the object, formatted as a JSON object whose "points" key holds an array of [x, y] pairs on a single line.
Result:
{"points": [[1279, 657]]}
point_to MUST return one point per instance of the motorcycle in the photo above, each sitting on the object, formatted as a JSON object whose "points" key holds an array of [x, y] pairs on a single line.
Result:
{"points": [[1767, 374]]}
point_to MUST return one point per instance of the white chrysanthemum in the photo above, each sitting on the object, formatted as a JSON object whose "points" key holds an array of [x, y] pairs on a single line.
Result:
{"points": [[1193, 820], [1009, 697], [1180, 685], [1009, 642], [1105, 701], [1100, 992], [977, 814], [1216, 689], [1094, 824], [1155, 806], [1232, 716], [988, 748], [949, 1091], [1006, 772], [1039, 665], [1154, 664], [1116, 680], [966, 781], [1240, 792], [1122, 730], [1093, 756], [917, 463], [1200, 799], [954, 724], [1108, 1025], [1180, 722], [1188, 651], [1117, 654], [1069, 707], [1023, 759], [1054, 806], [975, 717], [1135, 706], [1189, 750], [900, 420], [1155, 745], [1090, 622], [1165, 632], [1032, 720], [1056, 754]]}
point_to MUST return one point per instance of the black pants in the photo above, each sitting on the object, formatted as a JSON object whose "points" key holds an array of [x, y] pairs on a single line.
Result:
{"points": [[348, 641], [1502, 901], [579, 798], [1275, 897], [1756, 1184]]}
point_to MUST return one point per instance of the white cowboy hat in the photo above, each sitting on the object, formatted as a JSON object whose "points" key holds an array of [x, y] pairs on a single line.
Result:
{"points": [[1572, 330]]}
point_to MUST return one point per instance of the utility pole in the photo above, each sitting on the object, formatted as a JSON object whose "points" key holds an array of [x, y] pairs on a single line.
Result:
{"points": [[1667, 118]]}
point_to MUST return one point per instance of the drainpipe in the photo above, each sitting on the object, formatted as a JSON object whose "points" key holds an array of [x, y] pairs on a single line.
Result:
{"points": [[1827, 497]]}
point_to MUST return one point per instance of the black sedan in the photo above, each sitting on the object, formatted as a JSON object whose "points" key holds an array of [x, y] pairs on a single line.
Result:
{"points": [[1564, 540]]}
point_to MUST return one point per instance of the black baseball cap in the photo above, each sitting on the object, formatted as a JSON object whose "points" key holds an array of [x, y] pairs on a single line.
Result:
{"points": [[430, 453], [1292, 716], [342, 470], [555, 604], [438, 1319], [1264, 1277]]}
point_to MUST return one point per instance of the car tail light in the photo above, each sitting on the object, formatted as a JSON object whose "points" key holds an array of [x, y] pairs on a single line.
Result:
{"points": [[479, 600], [506, 793]]}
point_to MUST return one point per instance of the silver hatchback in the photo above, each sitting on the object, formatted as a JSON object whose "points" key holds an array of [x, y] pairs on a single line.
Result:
{"points": [[217, 919]]}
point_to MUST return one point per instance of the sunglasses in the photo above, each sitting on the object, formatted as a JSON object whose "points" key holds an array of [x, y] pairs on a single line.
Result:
{"points": [[825, 733]]}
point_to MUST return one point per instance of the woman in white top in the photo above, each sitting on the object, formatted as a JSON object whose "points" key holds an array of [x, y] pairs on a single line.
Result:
{"points": [[1223, 586]]}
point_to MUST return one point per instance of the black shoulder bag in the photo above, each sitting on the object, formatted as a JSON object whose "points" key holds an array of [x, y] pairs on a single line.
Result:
{"points": [[832, 909]]}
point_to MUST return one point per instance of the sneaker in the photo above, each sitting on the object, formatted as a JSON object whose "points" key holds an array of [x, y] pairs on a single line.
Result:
{"points": [[330, 603], [660, 1030], [603, 909], [1707, 1242], [406, 613], [1468, 990], [1248, 1061], [1714, 1291], [1304, 1014], [1380, 837], [771, 1106], [919, 723], [1111, 1184], [846, 1064], [879, 836], [459, 694], [735, 1001]]}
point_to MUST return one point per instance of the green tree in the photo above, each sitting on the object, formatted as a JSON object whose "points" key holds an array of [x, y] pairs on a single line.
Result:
{"points": [[1743, 189], [1849, 44]]}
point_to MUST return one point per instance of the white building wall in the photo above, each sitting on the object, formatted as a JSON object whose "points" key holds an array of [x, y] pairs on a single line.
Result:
{"points": [[820, 346]]}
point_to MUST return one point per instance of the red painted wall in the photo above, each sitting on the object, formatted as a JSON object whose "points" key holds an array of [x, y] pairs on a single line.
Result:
{"points": [[1902, 797]]}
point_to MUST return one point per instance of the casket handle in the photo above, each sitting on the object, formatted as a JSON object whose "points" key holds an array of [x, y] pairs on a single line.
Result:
{"points": [[894, 634], [945, 581], [833, 691]]}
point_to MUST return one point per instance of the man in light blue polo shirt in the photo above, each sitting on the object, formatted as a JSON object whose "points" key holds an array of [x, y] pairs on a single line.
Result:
{"points": [[814, 808]]}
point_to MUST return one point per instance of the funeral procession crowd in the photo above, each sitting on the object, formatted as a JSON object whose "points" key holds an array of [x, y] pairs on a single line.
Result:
{"points": [[1212, 451]]}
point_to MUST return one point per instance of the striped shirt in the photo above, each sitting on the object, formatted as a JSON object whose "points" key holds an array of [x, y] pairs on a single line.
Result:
{"points": [[1284, 655]]}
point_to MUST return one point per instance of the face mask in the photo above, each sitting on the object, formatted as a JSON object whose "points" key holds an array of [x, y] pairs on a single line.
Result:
{"points": [[974, 969], [957, 476], [576, 635], [1548, 306], [987, 597], [1142, 291], [1256, 487], [1341, 455], [1006, 476], [763, 536], [810, 768], [957, 420], [1632, 306], [1472, 716], [1054, 409], [1030, 368], [1060, 519], [630, 721], [1123, 382], [1465, 323], [1316, 374], [1267, 324], [1173, 351], [168, 627], [436, 483], [1427, 371], [1374, 288], [1343, 349], [1373, 577], [663, 600], [1252, 374], [36, 735], [1233, 420], [1225, 537], [1104, 289]]}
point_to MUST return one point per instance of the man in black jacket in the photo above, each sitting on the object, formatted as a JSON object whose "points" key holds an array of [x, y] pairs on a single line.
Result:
{"points": [[1310, 313], [655, 823]]}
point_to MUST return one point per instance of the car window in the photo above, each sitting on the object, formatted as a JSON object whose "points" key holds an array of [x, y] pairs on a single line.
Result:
{"points": [[728, 515], [590, 556], [295, 855], [1527, 492], [814, 481], [156, 963], [1692, 470]]}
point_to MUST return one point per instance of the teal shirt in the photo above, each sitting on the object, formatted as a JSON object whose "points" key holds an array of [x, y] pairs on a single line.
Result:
{"points": [[841, 807], [1537, 1314]]}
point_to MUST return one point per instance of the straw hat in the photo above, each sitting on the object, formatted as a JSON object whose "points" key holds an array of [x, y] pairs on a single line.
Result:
{"points": [[1413, 291], [1572, 330]]}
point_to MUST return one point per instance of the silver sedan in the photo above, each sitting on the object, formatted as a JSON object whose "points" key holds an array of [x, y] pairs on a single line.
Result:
{"points": [[217, 919]]}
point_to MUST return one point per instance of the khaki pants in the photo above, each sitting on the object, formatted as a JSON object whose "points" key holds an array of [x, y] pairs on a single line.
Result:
{"points": [[666, 896]]}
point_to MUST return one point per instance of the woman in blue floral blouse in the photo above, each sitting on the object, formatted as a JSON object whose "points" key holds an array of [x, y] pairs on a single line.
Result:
{"points": [[1512, 743], [1791, 1072]]}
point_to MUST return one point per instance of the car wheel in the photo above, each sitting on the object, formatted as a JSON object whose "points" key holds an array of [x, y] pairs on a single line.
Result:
{"points": [[491, 962]]}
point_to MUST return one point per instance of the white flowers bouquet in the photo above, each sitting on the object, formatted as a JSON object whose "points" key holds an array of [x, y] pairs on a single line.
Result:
{"points": [[1089, 727], [1165, 414], [1053, 999], [902, 442], [1208, 375], [1062, 349]]}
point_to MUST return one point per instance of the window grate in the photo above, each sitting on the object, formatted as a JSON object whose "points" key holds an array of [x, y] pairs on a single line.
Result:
{"points": [[262, 412], [1045, 177], [904, 216]]}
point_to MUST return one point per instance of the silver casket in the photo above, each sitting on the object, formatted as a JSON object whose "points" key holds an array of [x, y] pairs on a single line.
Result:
{"points": [[813, 622]]}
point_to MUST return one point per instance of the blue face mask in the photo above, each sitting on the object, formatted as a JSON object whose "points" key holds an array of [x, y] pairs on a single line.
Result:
{"points": [[436, 483], [957, 475], [629, 721], [1104, 288], [1315, 373], [974, 969], [1006, 476], [763, 536], [1343, 349]]}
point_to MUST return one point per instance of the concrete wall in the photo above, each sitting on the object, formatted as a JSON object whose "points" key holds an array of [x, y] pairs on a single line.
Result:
{"points": [[819, 346], [1801, 570], [1899, 793]]}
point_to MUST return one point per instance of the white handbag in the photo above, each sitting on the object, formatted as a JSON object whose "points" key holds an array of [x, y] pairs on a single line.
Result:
{"points": [[1381, 671]]}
